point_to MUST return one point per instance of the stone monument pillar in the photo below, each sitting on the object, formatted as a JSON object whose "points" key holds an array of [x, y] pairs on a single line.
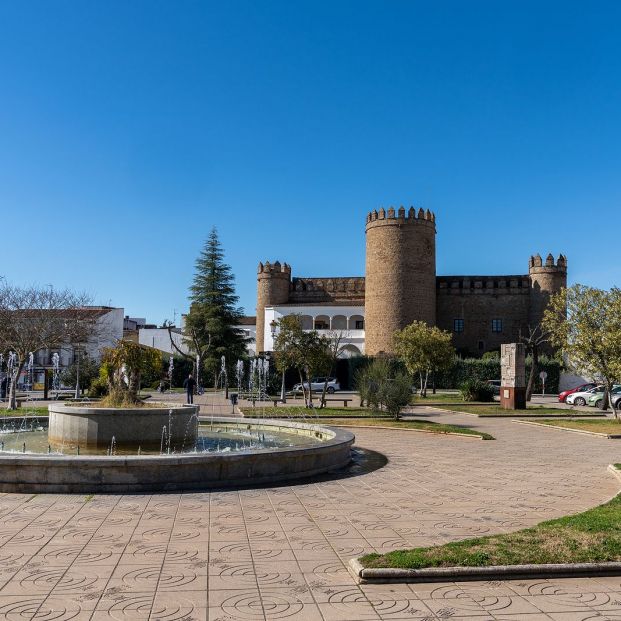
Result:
{"points": [[513, 376]]}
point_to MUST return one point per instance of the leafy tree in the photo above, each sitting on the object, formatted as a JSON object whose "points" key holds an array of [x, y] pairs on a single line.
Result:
{"points": [[424, 349], [303, 350], [210, 325], [125, 364], [586, 324], [84, 374]]}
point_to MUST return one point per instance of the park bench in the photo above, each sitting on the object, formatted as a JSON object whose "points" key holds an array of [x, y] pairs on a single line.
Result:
{"points": [[345, 401]]}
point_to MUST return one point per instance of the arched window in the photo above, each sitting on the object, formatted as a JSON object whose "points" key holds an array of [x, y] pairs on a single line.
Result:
{"points": [[339, 322], [356, 322], [322, 322]]}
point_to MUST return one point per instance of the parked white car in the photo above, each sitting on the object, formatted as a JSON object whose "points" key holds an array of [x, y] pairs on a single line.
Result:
{"points": [[317, 384], [581, 398]]}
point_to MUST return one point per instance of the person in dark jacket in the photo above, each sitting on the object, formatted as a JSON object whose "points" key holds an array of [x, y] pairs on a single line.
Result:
{"points": [[189, 388]]}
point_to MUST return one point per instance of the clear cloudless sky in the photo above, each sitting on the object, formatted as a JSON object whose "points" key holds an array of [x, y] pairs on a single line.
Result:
{"points": [[129, 129]]}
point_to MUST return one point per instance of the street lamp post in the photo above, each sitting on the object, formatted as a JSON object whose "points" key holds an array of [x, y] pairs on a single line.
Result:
{"points": [[283, 396]]}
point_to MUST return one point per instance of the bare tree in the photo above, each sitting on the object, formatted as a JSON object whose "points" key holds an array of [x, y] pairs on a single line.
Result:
{"points": [[533, 339], [34, 318]]}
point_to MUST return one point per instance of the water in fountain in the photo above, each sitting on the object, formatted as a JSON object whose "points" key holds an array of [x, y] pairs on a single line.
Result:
{"points": [[12, 366], [29, 368], [56, 373], [239, 374], [223, 380], [171, 366], [223, 437]]}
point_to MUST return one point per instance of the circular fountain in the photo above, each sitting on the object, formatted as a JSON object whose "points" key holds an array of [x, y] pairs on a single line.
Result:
{"points": [[96, 427], [92, 449]]}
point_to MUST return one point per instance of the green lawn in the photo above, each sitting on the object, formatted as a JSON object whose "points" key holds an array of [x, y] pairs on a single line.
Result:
{"points": [[534, 410], [439, 397], [294, 411], [24, 411], [605, 425], [417, 425], [352, 417], [589, 537]]}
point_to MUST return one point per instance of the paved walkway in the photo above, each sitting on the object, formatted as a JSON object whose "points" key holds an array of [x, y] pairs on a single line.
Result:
{"points": [[281, 552]]}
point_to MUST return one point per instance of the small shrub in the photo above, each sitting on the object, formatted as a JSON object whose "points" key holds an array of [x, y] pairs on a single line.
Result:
{"points": [[98, 388], [475, 390]]}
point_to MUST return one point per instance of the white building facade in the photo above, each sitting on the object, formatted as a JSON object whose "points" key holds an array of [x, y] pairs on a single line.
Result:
{"points": [[344, 320]]}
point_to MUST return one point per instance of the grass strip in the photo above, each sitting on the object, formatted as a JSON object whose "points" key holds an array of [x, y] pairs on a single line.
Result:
{"points": [[416, 425], [293, 411], [352, 417], [25, 411], [593, 536], [607, 426], [497, 410]]}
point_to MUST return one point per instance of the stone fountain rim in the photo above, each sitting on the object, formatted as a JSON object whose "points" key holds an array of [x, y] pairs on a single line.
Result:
{"points": [[339, 437], [64, 408]]}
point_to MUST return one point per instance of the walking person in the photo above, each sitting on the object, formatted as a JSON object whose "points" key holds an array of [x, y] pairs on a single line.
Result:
{"points": [[189, 384]]}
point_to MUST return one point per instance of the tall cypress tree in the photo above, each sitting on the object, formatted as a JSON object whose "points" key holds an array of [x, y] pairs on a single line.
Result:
{"points": [[214, 312]]}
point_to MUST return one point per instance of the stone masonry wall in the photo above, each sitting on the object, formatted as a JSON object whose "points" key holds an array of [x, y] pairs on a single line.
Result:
{"points": [[478, 300]]}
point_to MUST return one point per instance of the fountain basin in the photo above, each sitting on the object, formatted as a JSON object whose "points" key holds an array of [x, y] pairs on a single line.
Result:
{"points": [[88, 426], [84, 474]]}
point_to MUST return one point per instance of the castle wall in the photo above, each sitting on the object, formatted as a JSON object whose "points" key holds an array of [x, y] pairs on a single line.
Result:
{"points": [[327, 290], [478, 300]]}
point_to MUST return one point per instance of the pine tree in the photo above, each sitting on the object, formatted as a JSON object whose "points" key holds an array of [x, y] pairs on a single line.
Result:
{"points": [[213, 309]]}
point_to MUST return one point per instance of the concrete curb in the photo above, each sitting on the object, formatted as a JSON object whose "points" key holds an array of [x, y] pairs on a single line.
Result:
{"points": [[435, 433], [495, 572], [615, 471], [604, 436]]}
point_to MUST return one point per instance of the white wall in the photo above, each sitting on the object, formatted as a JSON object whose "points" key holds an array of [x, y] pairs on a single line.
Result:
{"points": [[350, 337], [251, 334], [159, 339]]}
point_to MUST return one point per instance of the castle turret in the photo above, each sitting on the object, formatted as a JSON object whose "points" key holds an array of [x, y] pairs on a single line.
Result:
{"points": [[273, 284], [546, 279], [400, 285]]}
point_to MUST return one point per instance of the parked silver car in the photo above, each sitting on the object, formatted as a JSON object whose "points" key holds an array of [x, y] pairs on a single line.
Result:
{"points": [[317, 384]]}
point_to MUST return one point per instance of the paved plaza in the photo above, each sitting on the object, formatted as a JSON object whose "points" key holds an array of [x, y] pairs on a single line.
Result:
{"points": [[281, 552]]}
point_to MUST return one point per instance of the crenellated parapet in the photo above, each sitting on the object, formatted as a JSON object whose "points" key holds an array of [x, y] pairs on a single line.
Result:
{"points": [[327, 290], [274, 268], [536, 262], [483, 285], [401, 216]]}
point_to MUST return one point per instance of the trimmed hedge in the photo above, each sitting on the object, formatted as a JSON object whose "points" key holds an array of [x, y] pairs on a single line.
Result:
{"points": [[464, 369], [487, 369]]}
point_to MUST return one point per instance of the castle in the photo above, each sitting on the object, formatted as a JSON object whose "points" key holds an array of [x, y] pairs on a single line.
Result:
{"points": [[401, 286]]}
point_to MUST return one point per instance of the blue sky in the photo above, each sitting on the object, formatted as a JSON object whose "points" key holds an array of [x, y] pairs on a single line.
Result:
{"points": [[129, 129]]}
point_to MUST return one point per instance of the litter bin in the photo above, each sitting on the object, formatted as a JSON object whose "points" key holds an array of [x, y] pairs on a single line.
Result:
{"points": [[233, 398]]}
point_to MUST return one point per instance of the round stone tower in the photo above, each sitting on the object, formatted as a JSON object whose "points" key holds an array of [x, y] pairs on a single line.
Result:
{"points": [[545, 280], [273, 283], [400, 284]]}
